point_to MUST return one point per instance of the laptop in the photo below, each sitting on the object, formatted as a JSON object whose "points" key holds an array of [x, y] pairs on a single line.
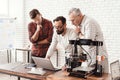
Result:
{"points": [[115, 70], [44, 63]]}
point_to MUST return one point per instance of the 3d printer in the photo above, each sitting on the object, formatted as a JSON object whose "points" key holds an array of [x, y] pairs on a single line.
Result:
{"points": [[75, 60]]}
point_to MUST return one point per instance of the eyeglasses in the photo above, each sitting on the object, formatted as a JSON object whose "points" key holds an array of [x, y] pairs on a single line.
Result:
{"points": [[73, 19], [59, 27]]}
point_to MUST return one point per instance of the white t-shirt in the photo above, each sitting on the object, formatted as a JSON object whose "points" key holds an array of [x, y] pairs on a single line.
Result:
{"points": [[63, 41]]}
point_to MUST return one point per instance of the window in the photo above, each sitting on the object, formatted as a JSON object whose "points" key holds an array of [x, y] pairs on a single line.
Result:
{"points": [[4, 7]]}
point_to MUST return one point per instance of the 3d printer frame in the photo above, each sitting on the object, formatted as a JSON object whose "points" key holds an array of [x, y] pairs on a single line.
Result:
{"points": [[88, 42]]}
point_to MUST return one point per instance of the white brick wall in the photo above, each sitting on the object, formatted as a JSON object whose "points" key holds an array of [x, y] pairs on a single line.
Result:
{"points": [[16, 9], [106, 12]]}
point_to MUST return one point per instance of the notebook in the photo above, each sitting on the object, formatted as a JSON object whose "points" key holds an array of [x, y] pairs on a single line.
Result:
{"points": [[37, 71]]}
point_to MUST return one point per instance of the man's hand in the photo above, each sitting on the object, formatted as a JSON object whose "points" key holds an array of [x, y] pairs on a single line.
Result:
{"points": [[78, 30], [64, 68], [39, 27]]}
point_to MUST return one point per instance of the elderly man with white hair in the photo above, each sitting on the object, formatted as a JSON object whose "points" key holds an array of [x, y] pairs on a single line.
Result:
{"points": [[88, 28]]}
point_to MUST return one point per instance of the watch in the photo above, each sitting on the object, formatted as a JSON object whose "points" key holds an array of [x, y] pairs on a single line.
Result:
{"points": [[36, 43]]}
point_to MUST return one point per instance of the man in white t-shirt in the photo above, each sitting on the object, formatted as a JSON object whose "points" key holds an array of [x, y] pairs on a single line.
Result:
{"points": [[62, 35]]}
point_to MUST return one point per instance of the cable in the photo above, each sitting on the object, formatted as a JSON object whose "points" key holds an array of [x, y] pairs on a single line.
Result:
{"points": [[75, 45], [88, 55]]}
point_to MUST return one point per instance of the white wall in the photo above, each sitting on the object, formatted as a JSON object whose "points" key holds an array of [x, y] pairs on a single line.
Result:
{"points": [[106, 12], [16, 9]]}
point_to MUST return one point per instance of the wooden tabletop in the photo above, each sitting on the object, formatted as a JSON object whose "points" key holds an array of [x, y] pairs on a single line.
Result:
{"points": [[18, 69], [64, 76]]}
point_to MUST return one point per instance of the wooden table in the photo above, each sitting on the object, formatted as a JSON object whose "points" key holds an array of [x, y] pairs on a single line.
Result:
{"points": [[19, 70]]}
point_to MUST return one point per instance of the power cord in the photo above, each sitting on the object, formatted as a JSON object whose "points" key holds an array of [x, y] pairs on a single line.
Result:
{"points": [[88, 55], [75, 45]]}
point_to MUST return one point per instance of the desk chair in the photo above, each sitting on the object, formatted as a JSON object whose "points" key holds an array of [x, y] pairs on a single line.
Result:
{"points": [[115, 70], [25, 49]]}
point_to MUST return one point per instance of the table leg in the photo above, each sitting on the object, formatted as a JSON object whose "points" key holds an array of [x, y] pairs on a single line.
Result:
{"points": [[18, 78], [8, 55], [15, 55], [28, 56], [57, 57]]}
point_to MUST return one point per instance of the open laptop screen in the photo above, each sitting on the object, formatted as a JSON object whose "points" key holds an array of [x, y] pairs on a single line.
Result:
{"points": [[115, 69], [44, 63]]}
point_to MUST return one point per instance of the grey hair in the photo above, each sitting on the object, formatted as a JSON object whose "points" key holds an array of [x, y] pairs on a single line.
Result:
{"points": [[75, 10]]}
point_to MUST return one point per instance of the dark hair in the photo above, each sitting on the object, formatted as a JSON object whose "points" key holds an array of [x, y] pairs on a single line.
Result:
{"points": [[33, 13], [60, 18]]}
